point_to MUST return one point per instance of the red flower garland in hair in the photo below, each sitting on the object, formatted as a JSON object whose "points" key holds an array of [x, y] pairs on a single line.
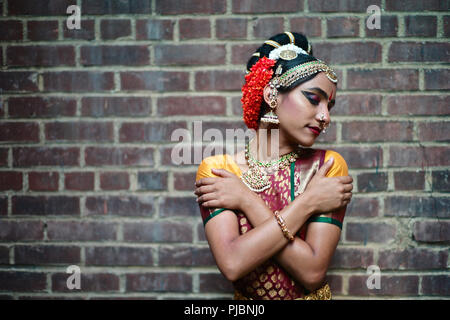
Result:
{"points": [[252, 91]]}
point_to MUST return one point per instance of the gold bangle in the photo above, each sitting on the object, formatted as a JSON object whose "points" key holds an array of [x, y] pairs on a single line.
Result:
{"points": [[283, 226]]}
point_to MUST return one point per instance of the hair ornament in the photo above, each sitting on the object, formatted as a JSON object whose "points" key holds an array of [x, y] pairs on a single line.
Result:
{"points": [[286, 52], [272, 43]]}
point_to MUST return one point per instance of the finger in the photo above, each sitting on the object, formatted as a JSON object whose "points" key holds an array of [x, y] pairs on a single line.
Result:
{"points": [[221, 172], [326, 166], [345, 179], [348, 196], [348, 187], [205, 181], [206, 197], [211, 204], [203, 189]]}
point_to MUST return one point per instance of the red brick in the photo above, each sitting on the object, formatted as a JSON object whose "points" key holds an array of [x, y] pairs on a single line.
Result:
{"points": [[114, 181], [14, 231], [123, 156], [400, 156], [179, 206], [362, 157], [389, 286], [152, 181], [357, 104], [229, 80], [441, 181], [261, 6], [183, 181], [115, 55], [437, 79], [363, 207], [412, 259], [409, 180], [194, 28], [149, 132], [4, 255], [11, 30], [436, 285], [158, 231], [264, 28], [240, 53], [20, 281], [79, 131], [13, 132], [417, 5], [81, 231], [3, 206], [309, 26], [447, 26], [185, 256], [41, 56], [47, 8], [434, 131], [78, 81], [79, 181], [46, 254], [231, 28], [115, 28], [432, 231], [190, 54], [215, 283], [119, 256], [42, 30], [101, 7], [89, 282], [159, 282], [154, 29], [86, 31], [126, 206], [418, 52], [45, 205], [372, 182], [17, 81], [348, 53], [338, 27], [100, 107], [45, 156], [370, 232], [175, 106], [371, 131], [416, 206], [341, 5], [388, 27], [10, 180], [352, 258], [41, 107], [43, 181], [161, 81], [420, 26], [166, 7], [383, 79], [4, 157], [418, 105]]}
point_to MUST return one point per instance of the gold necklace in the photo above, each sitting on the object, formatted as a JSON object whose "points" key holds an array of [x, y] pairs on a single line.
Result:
{"points": [[256, 178]]}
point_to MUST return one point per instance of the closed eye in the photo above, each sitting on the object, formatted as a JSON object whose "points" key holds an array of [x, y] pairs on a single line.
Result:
{"points": [[313, 98]]}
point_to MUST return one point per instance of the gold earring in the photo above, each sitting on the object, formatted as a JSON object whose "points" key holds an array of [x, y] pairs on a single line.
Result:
{"points": [[271, 117]]}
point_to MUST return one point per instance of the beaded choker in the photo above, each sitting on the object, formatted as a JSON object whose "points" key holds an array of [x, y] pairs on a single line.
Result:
{"points": [[257, 177]]}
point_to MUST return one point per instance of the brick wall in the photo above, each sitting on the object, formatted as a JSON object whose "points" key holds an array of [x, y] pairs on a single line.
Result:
{"points": [[86, 176]]}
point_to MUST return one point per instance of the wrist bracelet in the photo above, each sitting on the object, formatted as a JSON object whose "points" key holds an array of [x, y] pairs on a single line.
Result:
{"points": [[283, 226]]}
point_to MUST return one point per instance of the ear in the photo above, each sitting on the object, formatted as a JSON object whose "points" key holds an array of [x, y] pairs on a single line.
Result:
{"points": [[266, 95]]}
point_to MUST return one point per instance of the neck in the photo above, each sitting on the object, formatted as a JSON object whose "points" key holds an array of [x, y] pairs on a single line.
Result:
{"points": [[269, 145]]}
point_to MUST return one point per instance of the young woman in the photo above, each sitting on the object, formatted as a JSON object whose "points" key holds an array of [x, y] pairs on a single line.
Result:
{"points": [[273, 224]]}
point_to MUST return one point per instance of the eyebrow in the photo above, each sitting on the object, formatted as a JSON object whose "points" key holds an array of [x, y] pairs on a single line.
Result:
{"points": [[323, 93]]}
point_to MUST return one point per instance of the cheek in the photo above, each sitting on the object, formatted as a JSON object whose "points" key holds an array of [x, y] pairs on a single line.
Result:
{"points": [[292, 110]]}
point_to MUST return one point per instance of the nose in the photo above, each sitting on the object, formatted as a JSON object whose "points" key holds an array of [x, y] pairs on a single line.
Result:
{"points": [[323, 116]]}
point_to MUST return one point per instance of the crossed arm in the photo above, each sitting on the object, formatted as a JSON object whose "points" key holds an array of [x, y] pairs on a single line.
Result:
{"points": [[305, 260]]}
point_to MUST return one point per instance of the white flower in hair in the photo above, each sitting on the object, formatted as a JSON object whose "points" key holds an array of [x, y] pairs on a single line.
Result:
{"points": [[286, 52]]}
